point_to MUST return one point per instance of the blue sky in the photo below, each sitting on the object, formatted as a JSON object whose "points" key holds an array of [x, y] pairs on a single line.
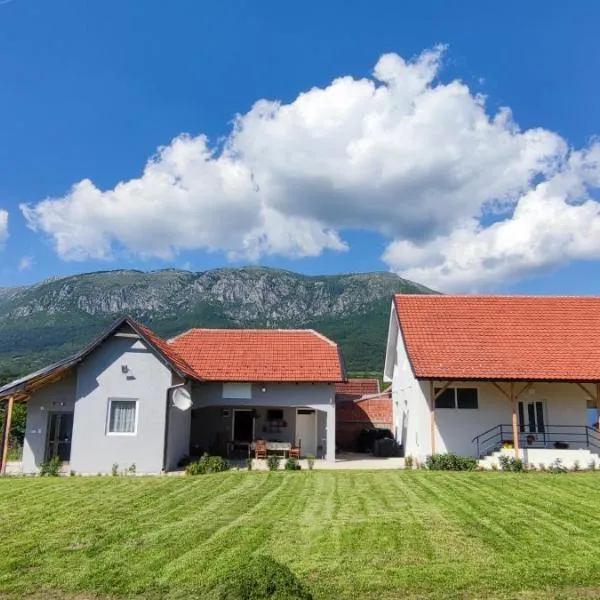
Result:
{"points": [[91, 89]]}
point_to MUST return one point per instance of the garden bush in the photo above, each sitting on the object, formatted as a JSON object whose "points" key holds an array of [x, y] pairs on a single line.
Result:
{"points": [[291, 464], [451, 462], [207, 464], [508, 463], [310, 460], [259, 578], [273, 462], [50, 468], [386, 447]]}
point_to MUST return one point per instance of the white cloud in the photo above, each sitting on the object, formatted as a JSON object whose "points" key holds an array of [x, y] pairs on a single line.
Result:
{"points": [[553, 223], [3, 227], [403, 154], [25, 263]]}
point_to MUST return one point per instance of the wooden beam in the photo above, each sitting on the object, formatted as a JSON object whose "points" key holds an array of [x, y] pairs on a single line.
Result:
{"points": [[432, 398], [503, 392], [437, 394], [524, 389], [515, 421], [6, 436], [587, 392], [598, 404]]}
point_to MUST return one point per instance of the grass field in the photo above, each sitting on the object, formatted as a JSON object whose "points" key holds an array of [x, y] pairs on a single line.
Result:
{"points": [[359, 535]]}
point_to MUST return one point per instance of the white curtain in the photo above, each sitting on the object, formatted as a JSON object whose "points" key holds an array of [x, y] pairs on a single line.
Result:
{"points": [[122, 416]]}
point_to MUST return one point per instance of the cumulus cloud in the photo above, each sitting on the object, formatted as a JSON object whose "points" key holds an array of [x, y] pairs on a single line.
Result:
{"points": [[464, 195], [3, 227]]}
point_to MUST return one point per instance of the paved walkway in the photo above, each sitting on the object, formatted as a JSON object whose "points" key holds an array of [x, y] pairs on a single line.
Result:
{"points": [[343, 461]]}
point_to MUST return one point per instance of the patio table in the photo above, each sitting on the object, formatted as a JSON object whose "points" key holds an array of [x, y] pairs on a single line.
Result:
{"points": [[283, 447]]}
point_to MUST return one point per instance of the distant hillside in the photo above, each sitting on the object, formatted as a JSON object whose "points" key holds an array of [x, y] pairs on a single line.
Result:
{"points": [[52, 319]]}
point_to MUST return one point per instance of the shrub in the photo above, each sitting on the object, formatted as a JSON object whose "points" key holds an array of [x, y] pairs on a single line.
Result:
{"points": [[50, 468], [386, 447], [258, 578], [310, 459], [291, 464], [451, 462], [409, 462], [557, 467], [576, 466], [249, 463], [592, 465], [132, 469], [114, 469], [273, 462], [508, 463], [207, 464]]}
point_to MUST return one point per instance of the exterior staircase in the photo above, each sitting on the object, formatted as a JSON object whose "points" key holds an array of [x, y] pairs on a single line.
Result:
{"points": [[581, 457]]}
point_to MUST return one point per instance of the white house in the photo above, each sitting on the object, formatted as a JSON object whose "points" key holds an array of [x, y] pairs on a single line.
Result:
{"points": [[132, 398], [484, 375]]}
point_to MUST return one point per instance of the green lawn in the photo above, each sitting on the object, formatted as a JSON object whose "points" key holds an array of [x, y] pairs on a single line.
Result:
{"points": [[359, 535]]}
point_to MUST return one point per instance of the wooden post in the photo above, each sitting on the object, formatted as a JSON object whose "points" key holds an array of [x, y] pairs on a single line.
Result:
{"points": [[515, 421], [598, 405], [6, 436], [432, 416]]}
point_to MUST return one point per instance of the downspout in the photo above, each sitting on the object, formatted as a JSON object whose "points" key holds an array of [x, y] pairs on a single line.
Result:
{"points": [[170, 389]]}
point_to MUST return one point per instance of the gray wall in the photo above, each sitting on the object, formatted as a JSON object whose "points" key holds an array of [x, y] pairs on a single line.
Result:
{"points": [[211, 430], [55, 397], [178, 442], [100, 378]]}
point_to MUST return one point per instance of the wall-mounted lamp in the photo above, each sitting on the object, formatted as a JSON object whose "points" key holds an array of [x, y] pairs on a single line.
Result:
{"points": [[263, 389], [124, 369]]}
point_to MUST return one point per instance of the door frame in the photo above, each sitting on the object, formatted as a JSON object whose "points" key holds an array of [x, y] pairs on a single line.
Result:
{"points": [[57, 427], [524, 426], [298, 408], [233, 413]]}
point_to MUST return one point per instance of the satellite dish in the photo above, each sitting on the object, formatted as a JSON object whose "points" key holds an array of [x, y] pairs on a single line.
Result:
{"points": [[182, 399]]}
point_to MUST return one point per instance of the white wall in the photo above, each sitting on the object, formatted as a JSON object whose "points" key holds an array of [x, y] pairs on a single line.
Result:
{"points": [[100, 378], [55, 397], [565, 404], [410, 400], [455, 428]]}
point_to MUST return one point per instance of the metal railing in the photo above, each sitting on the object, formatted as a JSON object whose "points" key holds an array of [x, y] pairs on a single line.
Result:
{"points": [[549, 436]]}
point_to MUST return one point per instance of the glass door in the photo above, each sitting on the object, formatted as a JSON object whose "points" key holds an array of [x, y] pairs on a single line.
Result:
{"points": [[60, 430], [531, 417]]}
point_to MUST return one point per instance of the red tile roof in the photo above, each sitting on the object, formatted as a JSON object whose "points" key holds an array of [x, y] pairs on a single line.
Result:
{"points": [[260, 355], [502, 337], [168, 352], [355, 388]]}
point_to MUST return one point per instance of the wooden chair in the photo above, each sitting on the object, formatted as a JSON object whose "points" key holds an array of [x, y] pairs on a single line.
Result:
{"points": [[260, 449], [295, 452]]}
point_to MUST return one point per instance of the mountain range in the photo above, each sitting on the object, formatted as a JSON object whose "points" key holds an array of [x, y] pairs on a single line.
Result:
{"points": [[47, 321]]}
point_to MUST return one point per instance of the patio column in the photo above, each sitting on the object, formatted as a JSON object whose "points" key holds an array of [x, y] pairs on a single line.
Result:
{"points": [[6, 435], [330, 434], [598, 405], [515, 420]]}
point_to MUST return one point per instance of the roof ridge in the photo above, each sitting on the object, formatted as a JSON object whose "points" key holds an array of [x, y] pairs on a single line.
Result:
{"points": [[488, 296]]}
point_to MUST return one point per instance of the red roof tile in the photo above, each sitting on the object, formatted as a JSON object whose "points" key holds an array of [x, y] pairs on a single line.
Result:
{"points": [[169, 353], [502, 337], [260, 355], [355, 388]]}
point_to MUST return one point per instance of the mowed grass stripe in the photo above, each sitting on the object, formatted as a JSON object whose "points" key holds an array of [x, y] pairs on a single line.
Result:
{"points": [[345, 534]]}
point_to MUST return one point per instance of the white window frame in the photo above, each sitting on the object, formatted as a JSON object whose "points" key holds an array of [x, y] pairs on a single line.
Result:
{"points": [[137, 415]]}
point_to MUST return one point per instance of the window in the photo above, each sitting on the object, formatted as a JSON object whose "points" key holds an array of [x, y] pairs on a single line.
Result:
{"points": [[457, 398], [466, 398], [122, 417], [446, 399]]}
